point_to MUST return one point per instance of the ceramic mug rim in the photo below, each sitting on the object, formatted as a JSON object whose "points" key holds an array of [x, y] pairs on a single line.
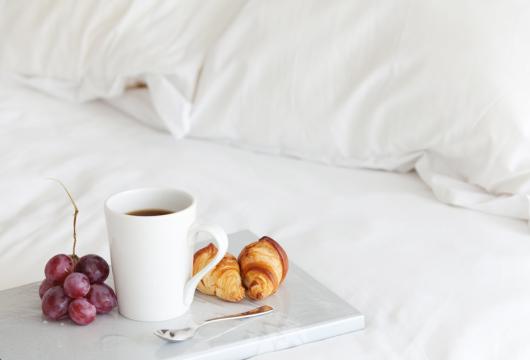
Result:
{"points": [[155, 190]]}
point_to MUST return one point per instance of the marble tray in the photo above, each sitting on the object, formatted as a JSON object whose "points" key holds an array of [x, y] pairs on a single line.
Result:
{"points": [[305, 311]]}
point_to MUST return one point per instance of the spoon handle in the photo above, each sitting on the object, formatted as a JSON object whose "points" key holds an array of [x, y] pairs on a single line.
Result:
{"points": [[262, 310]]}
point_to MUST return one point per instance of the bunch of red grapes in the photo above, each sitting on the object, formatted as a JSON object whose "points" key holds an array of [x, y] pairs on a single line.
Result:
{"points": [[75, 289]]}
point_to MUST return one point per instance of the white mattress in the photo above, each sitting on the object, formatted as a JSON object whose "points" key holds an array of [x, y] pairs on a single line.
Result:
{"points": [[434, 282]]}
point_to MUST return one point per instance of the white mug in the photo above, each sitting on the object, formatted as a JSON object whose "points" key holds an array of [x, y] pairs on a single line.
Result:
{"points": [[151, 256]]}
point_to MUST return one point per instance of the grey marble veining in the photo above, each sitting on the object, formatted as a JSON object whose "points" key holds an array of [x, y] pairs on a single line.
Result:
{"points": [[305, 311]]}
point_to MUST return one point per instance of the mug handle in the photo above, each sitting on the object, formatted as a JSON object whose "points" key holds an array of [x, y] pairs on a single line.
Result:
{"points": [[221, 241]]}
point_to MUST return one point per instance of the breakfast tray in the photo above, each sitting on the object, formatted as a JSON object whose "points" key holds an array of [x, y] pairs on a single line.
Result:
{"points": [[304, 311]]}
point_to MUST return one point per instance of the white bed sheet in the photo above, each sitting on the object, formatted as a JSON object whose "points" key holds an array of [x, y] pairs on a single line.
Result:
{"points": [[435, 282]]}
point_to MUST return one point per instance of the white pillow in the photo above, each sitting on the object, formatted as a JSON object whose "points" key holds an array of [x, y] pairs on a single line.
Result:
{"points": [[441, 87], [81, 50]]}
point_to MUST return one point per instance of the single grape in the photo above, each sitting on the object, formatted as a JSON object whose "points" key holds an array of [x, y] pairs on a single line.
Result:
{"points": [[58, 267], [55, 303], [93, 266], [76, 285], [45, 285], [102, 297], [81, 311]]}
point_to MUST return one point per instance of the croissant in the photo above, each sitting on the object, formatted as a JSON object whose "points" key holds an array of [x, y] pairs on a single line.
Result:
{"points": [[264, 265], [224, 280]]}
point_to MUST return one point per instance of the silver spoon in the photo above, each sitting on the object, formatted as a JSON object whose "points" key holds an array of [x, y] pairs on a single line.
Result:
{"points": [[176, 335]]}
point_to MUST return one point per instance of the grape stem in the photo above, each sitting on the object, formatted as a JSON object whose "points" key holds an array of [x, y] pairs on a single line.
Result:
{"points": [[76, 211]]}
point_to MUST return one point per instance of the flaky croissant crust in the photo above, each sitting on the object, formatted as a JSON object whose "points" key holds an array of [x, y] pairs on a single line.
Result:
{"points": [[264, 265], [224, 280]]}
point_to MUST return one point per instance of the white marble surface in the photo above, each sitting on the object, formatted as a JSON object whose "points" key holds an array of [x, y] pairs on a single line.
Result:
{"points": [[305, 311]]}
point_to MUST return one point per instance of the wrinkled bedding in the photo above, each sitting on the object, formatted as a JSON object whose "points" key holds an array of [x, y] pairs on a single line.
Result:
{"points": [[440, 88], [434, 281]]}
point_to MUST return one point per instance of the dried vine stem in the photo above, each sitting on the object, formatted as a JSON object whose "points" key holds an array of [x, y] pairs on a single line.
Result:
{"points": [[76, 211]]}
